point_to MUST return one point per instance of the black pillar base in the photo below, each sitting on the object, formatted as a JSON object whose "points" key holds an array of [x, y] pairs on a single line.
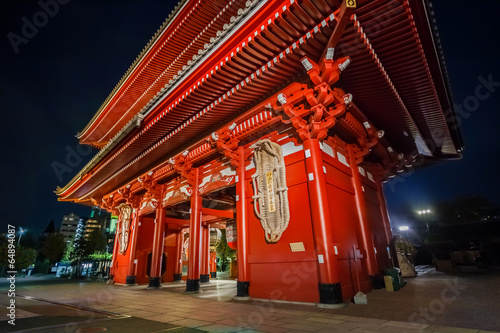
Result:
{"points": [[204, 278], [377, 281], [242, 288], [154, 282], [213, 275], [330, 293], [177, 277], [192, 285], [130, 279]]}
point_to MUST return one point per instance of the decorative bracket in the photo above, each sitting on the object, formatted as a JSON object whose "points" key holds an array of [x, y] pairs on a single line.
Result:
{"points": [[326, 104], [183, 166], [108, 204], [227, 144]]}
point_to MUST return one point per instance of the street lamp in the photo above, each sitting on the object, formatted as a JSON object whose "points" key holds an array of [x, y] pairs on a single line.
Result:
{"points": [[404, 229], [21, 232], [425, 213]]}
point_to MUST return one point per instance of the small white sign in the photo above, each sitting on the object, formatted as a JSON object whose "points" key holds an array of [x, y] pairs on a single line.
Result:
{"points": [[320, 259], [335, 249]]}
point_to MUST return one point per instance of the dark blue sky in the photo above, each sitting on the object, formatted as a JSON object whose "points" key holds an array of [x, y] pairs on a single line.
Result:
{"points": [[59, 77]]}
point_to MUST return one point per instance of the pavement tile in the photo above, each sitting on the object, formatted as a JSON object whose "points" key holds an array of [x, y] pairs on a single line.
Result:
{"points": [[271, 329], [191, 323], [164, 318], [349, 325], [364, 330], [301, 327], [289, 312], [207, 317], [391, 329], [218, 328], [328, 315], [443, 329], [142, 314], [326, 320], [372, 321], [303, 321], [269, 322], [401, 324]]}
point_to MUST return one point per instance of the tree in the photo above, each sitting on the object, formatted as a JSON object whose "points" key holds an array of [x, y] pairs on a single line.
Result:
{"points": [[23, 256], [78, 250], [67, 252], [54, 247], [223, 250], [95, 243], [74, 253], [466, 209]]}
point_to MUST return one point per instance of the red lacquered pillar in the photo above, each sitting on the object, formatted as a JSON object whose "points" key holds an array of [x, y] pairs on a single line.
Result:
{"points": [[205, 256], [330, 291], [193, 278], [157, 253], [365, 231], [133, 245], [178, 255], [213, 264], [243, 283]]}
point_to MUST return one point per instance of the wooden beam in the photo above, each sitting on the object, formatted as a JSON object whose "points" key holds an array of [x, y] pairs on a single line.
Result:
{"points": [[346, 10], [220, 213], [170, 220]]}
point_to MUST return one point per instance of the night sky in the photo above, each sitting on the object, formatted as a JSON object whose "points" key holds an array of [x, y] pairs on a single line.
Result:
{"points": [[61, 75]]}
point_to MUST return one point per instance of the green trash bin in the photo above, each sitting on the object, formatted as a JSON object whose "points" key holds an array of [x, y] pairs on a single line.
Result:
{"points": [[397, 280]]}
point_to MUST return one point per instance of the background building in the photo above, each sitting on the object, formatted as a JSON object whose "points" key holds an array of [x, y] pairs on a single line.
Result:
{"points": [[71, 226]]}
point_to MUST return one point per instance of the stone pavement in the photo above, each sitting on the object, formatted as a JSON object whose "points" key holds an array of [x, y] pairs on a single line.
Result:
{"points": [[212, 310]]}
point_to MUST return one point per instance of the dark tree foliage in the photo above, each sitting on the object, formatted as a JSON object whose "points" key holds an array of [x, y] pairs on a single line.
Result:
{"points": [[23, 256], [224, 251], [466, 209], [54, 247], [96, 242]]}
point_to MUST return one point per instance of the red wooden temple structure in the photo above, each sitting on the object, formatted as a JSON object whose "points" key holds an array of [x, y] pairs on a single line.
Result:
{"points": [[284, 117]]}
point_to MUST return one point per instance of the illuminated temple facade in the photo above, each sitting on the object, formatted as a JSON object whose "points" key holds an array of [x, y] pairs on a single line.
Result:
{"points": [[279, 119]]}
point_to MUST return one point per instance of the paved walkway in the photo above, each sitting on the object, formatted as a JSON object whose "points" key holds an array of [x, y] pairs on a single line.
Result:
{"points": [[213, 310]]}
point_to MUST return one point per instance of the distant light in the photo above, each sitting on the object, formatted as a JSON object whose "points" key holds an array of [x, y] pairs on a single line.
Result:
{"points": [[428, 211], [404, 228]]}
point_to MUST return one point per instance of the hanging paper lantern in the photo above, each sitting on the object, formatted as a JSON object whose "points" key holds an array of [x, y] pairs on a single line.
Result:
{"points": [[215, 236], [231, 235]]}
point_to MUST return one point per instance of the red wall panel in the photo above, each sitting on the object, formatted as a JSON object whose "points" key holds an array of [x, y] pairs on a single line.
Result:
{"points": [[144, 246], [275, 271]]}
